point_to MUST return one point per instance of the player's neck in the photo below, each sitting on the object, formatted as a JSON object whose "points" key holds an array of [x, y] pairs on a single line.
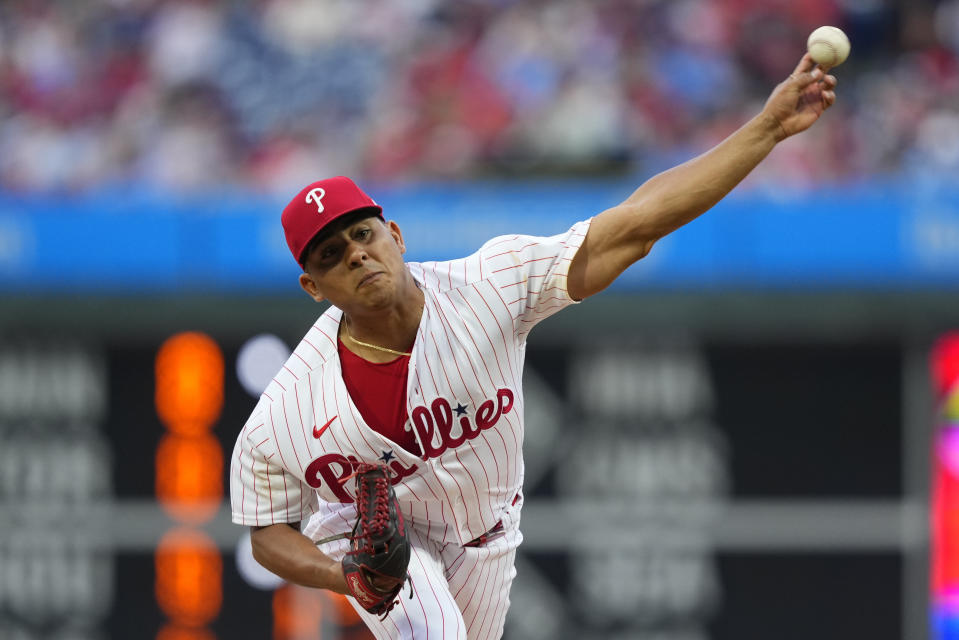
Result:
{"points": [[382, 335]]}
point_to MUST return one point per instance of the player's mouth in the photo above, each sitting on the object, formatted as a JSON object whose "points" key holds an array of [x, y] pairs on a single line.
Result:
{"points": [[369, 278]]}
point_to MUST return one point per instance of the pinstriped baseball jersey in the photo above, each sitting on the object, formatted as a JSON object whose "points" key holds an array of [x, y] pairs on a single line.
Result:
{"points": [[464, 399]]}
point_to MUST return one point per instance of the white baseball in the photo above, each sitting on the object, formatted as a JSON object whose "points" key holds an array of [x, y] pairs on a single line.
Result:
{"points": [[828, 46]]}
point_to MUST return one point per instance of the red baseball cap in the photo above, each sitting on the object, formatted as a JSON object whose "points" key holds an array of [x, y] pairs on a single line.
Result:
{"points": [[317, 205]]}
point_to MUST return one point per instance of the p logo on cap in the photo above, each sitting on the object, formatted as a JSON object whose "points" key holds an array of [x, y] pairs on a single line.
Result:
{"points": [[316, 195], [317, 205]]}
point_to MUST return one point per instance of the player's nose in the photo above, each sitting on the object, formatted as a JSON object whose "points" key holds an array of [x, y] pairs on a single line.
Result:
{"points": [[356, 254]]}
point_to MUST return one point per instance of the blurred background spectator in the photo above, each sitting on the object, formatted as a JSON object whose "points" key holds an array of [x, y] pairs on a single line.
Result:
{"points": [[191, 95]]}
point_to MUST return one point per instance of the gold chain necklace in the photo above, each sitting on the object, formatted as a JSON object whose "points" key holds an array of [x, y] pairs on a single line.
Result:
{"points": [[346, 327]]}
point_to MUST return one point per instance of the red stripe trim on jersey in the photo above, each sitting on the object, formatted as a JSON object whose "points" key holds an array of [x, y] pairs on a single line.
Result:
{"points": [[409, 620], [439, 460], [275, 438], [286, 496], [485, 333], [420, 601], [552, 308], [339, 447], [553, 287], [346, 430], [511, 474], [239, 472], [506, 343], [445, 322], [442, 362], [501, 241], [314, 347], [309, 378], [256, 518], [454, 567], [269, 488], [279, 448], [476, 610], [469, 577], [332, 341], [516, 266], [302, 498], [426, 572], [498, 571], [525, 246], [540, 301], [502, 569], [525, 280], [306, 440]]}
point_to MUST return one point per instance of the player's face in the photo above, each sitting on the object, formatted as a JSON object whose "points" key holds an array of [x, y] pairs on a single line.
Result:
{"points": [[358, 262]]}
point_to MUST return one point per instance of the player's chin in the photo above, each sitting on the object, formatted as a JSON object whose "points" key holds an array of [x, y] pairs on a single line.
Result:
{"points": [[377, 294]]}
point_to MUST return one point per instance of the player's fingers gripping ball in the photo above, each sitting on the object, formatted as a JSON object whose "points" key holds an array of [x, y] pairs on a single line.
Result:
{"points": [[375, 567]]}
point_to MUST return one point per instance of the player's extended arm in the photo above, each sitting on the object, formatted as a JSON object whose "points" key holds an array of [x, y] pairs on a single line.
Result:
{"points": [[285, 551], [620, 236]]}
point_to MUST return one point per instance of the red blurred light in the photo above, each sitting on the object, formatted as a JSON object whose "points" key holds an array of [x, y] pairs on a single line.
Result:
{"points": [[945, 362], [945, 530]]}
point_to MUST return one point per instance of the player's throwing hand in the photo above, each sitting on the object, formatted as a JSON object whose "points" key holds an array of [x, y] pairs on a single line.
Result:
{"points": [[800, 99]]}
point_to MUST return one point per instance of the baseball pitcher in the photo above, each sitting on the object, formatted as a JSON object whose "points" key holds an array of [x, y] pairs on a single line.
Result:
{"points": [[384, 461]]}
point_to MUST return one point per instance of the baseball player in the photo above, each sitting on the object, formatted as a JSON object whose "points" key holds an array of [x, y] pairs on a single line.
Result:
{"points": [[418, 367]]}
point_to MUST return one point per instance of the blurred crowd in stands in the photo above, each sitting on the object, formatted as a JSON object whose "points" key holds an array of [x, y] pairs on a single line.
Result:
{"points": [[193, 95]]}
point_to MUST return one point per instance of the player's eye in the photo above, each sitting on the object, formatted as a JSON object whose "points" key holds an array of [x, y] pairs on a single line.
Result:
{"points": [[364, 233]]}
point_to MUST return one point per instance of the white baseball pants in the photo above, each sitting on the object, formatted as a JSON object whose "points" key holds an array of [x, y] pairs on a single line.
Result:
{"points": [[459, 593]]}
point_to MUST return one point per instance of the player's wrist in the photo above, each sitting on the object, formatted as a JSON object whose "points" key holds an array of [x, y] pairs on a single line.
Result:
{"points": [[332, 578], [770, 127]]}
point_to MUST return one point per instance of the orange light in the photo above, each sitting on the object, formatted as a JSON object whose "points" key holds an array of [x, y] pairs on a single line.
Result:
{"points": [[189, 383], [176, 632], [189, 476], [297, 613], [188, 577], [346, 614]]}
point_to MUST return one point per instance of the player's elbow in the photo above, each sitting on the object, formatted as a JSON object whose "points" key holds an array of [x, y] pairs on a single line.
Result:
{"points": [[265, 542], [258, 545], [643, 247]]}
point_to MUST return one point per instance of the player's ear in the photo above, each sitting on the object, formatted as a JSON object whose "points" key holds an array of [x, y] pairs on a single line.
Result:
{"points": [[397, 235], [308, 285]]}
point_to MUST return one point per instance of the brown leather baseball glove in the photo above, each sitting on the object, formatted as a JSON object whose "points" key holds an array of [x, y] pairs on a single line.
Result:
{"points": [[375, 566]]}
